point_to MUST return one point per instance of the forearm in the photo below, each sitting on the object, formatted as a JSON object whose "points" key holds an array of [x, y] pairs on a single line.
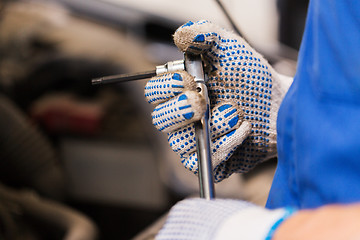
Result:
{"points": [[331, 222]]}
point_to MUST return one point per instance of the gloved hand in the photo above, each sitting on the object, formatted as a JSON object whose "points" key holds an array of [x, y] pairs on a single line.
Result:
{"points": [[221, 219], [245, 93]]}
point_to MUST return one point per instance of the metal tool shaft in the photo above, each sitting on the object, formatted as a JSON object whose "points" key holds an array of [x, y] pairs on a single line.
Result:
{"points": [[193, 65], [123, 78], [168, 67]]}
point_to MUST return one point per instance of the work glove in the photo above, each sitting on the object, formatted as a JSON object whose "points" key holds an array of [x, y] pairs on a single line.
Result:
{"points": [[219, 219], [245, 93]]}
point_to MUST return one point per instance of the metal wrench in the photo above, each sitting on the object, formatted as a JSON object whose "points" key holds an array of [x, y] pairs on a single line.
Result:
{"points": [[193, 65]]}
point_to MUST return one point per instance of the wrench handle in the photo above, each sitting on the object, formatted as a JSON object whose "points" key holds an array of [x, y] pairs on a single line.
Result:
{"points": [[194, 66]]}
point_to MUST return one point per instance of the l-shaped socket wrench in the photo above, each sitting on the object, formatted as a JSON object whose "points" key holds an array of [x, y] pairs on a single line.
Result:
{"points": [[194, 66]]}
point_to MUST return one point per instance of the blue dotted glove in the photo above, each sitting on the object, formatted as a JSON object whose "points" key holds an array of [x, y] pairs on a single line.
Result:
{"points": [[201, 219], [244, 91]]}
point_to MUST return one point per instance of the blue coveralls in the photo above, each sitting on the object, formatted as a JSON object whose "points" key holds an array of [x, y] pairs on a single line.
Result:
{"points": [[319, 119]]}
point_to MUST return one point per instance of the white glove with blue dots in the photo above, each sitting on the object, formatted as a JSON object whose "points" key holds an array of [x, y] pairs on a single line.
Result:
{"points": [[218, 219], [244, 91]]}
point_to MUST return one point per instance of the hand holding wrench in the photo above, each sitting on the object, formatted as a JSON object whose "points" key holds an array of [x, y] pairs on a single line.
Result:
{"points": [[193, 65]]}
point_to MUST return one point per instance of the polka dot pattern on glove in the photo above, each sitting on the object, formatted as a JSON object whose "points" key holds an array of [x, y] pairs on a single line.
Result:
{"points": [[245, 94]]}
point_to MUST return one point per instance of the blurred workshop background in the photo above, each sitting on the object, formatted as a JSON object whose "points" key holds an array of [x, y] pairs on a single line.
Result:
{"points": [[84, 162]]}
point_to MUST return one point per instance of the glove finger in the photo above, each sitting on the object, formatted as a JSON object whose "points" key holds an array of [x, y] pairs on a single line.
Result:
{"points": [[166, 86], [179, 111], [225, 117], [195, 37], [219, 47], [198, 37], [220, 152]]}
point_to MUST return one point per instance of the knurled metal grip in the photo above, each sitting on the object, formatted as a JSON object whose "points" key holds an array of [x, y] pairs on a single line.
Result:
{"points": [[172, 66]]}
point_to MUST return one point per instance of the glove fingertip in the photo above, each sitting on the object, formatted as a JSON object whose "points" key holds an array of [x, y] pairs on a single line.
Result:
{"points": [[191, 162], [165, 86], [178, 112], [244, 130], [194, 37]]}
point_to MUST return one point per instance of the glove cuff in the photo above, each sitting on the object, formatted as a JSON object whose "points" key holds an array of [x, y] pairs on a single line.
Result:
{"points": [[253, 223], [199, 219]]}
